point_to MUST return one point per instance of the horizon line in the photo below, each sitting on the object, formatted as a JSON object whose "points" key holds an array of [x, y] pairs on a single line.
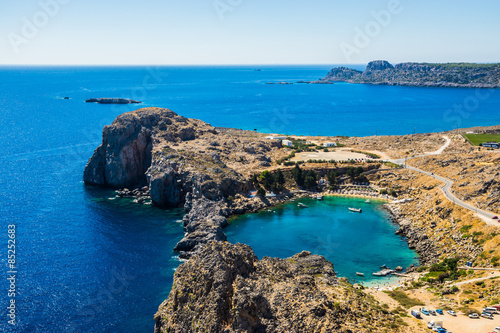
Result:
{"points": [[242, 64]]}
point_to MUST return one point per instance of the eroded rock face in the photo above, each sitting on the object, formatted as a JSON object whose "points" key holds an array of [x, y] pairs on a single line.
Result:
{"points": [[125, 153], [225, 288]]}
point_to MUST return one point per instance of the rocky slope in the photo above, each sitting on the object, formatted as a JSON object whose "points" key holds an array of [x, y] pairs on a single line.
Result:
{"points": [[225, 288], [180, 161], [421, 74]]}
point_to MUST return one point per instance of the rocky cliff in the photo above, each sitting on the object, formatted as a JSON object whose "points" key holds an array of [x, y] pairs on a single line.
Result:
{"points": [[180, 161], [175, 156], [225, 288], [381, 72]]}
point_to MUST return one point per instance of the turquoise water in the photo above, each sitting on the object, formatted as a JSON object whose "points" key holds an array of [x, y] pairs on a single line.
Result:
{"points": [[354, 242], [74, 244]]}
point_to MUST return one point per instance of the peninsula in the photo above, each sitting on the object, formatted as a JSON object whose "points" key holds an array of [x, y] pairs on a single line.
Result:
{"points": [[160, 157], [457, 75]]}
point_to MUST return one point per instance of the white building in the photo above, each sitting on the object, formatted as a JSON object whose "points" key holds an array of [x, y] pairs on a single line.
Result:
{"points": [[329, 144], [271, 137], [491, 145], [287, 143]]}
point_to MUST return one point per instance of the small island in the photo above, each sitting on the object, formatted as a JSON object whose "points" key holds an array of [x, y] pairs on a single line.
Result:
{"points": [[455, 75], [112, 101]]}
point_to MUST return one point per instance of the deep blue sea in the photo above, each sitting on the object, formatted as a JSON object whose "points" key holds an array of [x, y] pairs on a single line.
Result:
{"points": [[86, 263]]}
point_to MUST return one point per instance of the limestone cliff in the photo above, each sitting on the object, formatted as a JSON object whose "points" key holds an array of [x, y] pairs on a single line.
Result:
{"points": [[225, 288]]}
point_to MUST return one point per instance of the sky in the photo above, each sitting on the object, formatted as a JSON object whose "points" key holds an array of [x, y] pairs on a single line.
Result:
{"points": [[229, 32]]}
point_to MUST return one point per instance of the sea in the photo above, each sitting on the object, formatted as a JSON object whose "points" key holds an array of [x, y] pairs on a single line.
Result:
{"points": [[87, 262]]}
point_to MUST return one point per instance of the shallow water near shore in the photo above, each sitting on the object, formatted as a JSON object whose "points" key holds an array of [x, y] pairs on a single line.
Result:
{"points": [[353, 242]]}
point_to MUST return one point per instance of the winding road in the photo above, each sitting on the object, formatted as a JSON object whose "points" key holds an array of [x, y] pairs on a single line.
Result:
{"points": [[446, 188]]}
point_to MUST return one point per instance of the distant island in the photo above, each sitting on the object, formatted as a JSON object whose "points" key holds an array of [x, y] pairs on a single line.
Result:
{"points": [[112, 101], [459, 75]]}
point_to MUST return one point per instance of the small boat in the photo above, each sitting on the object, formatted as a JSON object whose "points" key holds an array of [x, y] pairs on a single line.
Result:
{"points": [[292, 200], [384, 267], [319, 197], [360, 274], [357, 210], [301, 205], [367, 201]]}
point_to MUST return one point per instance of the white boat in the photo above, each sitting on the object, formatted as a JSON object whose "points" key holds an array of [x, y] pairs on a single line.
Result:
{"points": [[383, 272], [319, 197], [360, 274], [367, 201], [301, 205], [357, 210]]}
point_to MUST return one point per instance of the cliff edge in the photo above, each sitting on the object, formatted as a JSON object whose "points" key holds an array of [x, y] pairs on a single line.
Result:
{"points": [[180, 162], [225, 288]]}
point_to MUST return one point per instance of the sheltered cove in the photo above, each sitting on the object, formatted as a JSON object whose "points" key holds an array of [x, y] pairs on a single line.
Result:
{"points": [[175, 162]]}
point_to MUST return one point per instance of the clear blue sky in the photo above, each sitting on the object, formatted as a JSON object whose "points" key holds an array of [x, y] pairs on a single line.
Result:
{"points": [[247, 32]]}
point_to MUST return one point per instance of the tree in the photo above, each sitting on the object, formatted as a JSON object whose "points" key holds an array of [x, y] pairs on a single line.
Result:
{"points": [[297, 175], [280, 178], [267, 178], [261, 192], [310, 179], [332, 177], [255, 180]]}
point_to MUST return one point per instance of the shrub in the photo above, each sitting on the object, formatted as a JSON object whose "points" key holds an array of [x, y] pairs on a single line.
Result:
{"points": [[403, 299]]}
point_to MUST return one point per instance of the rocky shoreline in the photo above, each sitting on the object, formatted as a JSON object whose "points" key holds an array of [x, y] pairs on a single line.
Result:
{"points": [[416, 237], [451, 75], [225, 288]]}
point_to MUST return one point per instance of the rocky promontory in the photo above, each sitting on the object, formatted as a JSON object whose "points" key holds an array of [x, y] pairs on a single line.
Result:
{"points": [[225, 288], [381, 72], [180, 162], [112, 101]]}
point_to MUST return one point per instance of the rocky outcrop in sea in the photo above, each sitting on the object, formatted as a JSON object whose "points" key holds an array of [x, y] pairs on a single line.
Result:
{"points": [[112, 101], [381, 72]]}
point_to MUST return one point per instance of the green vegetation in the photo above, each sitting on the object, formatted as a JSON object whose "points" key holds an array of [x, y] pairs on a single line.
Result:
{"points": [[375, 156], [403, 299], [392, 165], [270, 181], [356, 174], [310, 179], [478, 139], [297, 175], [445, 270], [464, 65], [465, 228], [261, 192]]}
